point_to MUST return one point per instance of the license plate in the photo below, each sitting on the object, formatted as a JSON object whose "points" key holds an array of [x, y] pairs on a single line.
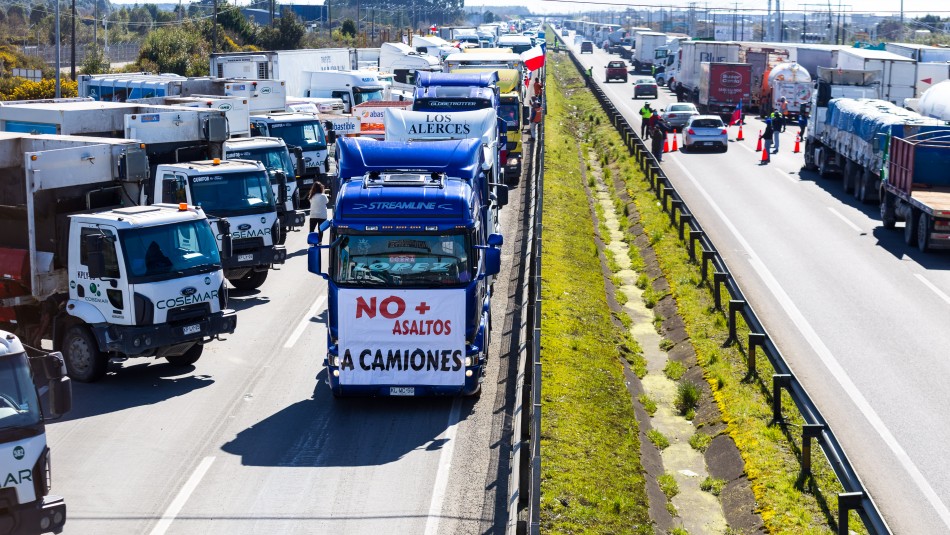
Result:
{"points": [[191, 329], [245, 257], [402, 391]]}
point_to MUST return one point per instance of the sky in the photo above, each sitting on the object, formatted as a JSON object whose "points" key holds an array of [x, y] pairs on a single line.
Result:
{"points": [[912, 8]]}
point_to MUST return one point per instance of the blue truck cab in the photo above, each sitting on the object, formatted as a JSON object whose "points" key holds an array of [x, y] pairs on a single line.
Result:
{"points": [[410, 257]]}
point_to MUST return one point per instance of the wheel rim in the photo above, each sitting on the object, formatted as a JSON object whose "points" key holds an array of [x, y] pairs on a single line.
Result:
{"points": [[80, 355]]}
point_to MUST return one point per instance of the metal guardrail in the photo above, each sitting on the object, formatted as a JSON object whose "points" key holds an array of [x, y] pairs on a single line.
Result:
{"points": [[524, 499], [855, 497]]}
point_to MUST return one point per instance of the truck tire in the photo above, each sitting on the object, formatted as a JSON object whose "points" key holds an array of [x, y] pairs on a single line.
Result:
{"points": [[188, 357], [810, 156], [84, 362], [848, 177], [252, 281], [923, 233], [888, 213], [910, 228]]}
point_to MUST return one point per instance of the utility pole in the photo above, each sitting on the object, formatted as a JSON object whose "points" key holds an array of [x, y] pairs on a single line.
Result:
{"points": [[72, 58], [59, 92], [900, 35], [767, 27], [214, 29], [778, 21]]}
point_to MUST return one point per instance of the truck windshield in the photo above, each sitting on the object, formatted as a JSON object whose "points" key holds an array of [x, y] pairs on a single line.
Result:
{"points": [[366, 94], [19, 404], [509, 112], [169, 251], [273, 158], [307, 135], [405, 260], [233, 194]]}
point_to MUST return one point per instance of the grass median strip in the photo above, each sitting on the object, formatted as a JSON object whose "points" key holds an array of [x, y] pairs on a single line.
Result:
{"points": [[592, 480]]}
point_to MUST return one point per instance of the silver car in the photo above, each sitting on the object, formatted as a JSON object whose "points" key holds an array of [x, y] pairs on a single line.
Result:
{"points": [[677, 115], [706, 131]]}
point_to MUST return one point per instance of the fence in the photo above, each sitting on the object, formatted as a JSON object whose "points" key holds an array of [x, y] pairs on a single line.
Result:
{"points": [[855, 497], [116, 53]]}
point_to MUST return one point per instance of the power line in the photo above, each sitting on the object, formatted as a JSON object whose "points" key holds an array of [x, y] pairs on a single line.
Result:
{"points": [[685, 7]]}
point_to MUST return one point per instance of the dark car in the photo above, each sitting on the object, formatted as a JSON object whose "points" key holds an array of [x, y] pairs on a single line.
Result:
{"points": [[588, 47], [645, 86], [616, 70]]}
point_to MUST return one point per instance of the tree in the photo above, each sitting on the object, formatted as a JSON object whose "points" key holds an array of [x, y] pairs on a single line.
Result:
{"points": [[177, 49], [43, 89], [95, 62], [286, 35], [348, 27], [488, 17]]}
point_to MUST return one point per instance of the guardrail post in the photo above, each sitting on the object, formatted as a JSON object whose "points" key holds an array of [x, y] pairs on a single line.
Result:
{"points": [[693, 236], [735, 305], [719, 278], [847, 501], [675, 204], [755, 340], [809, 431], [685, 219], [667, 192], [779, 381], [655, 179], [707, 256]]}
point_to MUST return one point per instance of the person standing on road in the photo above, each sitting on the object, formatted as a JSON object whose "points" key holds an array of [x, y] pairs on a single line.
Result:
{"points": [[767, 138], [777, 124], [802, 123], [645, 113], [318, 207], [680, 93], [783, 111], [656, 145], [538, 88], [652, 123], [536, 115]]}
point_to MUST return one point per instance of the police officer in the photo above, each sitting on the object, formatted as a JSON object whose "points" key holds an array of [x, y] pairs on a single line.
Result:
{"points": [[645, 113]]}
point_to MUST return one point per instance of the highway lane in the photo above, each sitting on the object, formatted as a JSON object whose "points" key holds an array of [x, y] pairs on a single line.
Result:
{"points": [[859, 316], [251, 441]]}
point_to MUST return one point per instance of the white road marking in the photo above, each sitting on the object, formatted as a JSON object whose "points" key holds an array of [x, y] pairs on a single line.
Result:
{"points": [[175, 507], [933, 288], [445, 466], [841, 216], [827, 358], [302, 326]]}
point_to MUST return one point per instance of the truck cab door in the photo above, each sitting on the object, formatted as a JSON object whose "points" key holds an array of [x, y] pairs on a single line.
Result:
{"points": [[108, 291], [346, 98], [174, 189]]}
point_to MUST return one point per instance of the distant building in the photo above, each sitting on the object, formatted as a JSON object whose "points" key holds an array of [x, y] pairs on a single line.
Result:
{"points": [[307, 13]]}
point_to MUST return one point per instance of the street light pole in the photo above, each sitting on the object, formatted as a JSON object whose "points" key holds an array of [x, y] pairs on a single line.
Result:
{"points": [[59, 92], [72, 56]]}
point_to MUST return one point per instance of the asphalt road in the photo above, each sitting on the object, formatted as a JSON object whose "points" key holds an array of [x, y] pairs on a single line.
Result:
{"points": [[861, 317], [250, 441]]}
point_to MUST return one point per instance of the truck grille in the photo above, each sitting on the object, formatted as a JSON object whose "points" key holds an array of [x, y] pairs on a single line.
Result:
{"points": [[189, 313], [247, 244]]}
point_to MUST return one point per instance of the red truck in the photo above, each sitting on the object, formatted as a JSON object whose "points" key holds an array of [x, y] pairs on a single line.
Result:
{"points": [[722, 86], [617, 70]]}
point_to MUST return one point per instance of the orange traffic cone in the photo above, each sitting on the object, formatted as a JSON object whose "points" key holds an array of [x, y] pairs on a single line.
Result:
{"points": [[666, 143], [739, 137], [759, 146], [765, 157], [675, 143], [798, 140]]}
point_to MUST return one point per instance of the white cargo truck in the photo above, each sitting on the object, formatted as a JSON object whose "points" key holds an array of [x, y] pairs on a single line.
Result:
{"points": [[898, 75], [281, 167], [693, 54], [92, 273], [235, 109], [304, 133], [645, 51], [353, 87], [291, 66], [29, 506], [403, 62]]}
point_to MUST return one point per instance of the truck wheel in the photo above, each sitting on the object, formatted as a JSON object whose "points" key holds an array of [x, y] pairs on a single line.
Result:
{"points": [[252, 281], [888, 215], [188, 357], [923, 233], [84, 362], [910, 228], [847, 177]]}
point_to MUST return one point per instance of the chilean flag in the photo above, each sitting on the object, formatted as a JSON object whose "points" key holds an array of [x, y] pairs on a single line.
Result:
{"points": [[533, 59], [736, 115]]}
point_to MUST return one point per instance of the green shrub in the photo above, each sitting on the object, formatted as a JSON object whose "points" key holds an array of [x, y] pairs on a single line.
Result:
{"points": [[687, 396]]}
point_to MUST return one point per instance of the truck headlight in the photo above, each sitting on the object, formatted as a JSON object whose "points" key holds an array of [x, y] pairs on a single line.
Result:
{"points": [[512, 161]]}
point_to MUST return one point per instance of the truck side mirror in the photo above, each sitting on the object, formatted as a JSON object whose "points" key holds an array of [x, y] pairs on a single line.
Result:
{"points": [[95, 258], [314, 260], [496, 240], [281, 187], [227, 243], [492, 260], [501, 192], [301, 167], [331, 136], [60, 386]]}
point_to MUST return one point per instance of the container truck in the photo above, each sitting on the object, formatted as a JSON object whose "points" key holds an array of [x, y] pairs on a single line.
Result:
{"points": [[722, 86], [789, 81], [915, 186], [241, 191], [29, 508], [432, 45], [95, 275], [833, 83], [403, 62], [409, 310], [235, 109], [352, 87], [303, 133], [645, 51], [898, 74], [691, 57], [291, 66], [812, 56], [762, 58], [282, 168]]}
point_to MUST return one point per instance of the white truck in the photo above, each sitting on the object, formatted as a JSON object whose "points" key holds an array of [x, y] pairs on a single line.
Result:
{"points": [[789, 81], [432, 45], [239, 192], [353, 87], [645, 51], [29, 508], [935, 102], [235, 109], [92, 273], [303, 131], [291, 66], [403, 62], [898, 74], [933, 63], [261, 95], [693, 54], [282, 168]]}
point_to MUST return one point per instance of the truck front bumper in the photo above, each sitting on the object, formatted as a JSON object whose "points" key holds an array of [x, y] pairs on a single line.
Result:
{"points": [[138, 339], [264, 256], [41, 516]]}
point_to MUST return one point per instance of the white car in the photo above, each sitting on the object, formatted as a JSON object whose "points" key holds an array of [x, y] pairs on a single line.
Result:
{"points": [[705, 131]]}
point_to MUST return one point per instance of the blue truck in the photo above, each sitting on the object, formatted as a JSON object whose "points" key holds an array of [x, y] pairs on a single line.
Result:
{"points": [[410, 258]]}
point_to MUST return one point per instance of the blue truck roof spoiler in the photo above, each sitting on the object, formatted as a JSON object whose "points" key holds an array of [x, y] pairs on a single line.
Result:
{"points": [[475, 79], [458, 158]]}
